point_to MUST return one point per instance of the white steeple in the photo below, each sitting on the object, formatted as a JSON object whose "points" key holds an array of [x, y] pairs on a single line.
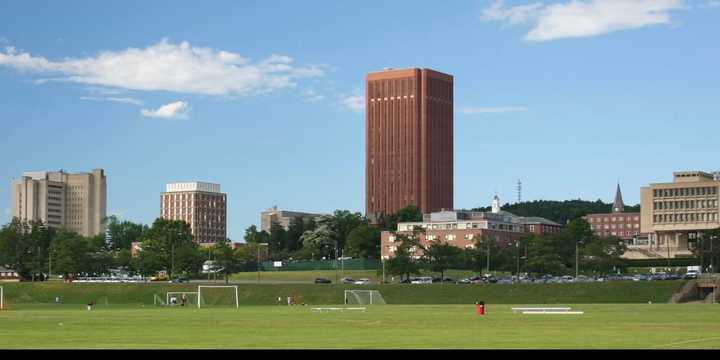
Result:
{"points": [[496, 205]]}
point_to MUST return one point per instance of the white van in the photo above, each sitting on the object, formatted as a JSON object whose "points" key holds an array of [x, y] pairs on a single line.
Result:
{"points": [[422, 280]]}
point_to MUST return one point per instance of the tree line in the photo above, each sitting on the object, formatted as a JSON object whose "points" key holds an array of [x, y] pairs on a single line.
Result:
{"points": [[36, 251], [343, 233], [553, 253]]}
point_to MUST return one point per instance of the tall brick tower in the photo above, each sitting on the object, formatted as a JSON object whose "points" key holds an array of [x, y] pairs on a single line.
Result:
{"points": [[409, 141]]}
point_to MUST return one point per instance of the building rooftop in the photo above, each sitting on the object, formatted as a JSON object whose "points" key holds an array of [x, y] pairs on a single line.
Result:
{"points": [[192, 186]]}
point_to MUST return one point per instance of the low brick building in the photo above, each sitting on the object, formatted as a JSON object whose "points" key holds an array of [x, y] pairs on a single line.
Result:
{"points": [[464, 228]]}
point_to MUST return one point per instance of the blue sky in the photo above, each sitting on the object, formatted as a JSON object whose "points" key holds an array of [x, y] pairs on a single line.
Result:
{"points": [[265, 97]]}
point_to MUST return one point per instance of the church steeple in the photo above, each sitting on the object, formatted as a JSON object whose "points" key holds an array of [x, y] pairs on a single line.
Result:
{"points": [[618, 205]]}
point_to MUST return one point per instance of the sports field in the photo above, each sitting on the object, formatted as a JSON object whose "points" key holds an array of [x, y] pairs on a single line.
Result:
{"points": [[654, 326]]}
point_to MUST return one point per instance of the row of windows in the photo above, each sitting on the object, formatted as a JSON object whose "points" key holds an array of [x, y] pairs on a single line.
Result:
{"points": [[198, 197], [693, 191], [391, 88], [685, 204], [671, 218], [613, 226], [618, 233], [614, 219]]}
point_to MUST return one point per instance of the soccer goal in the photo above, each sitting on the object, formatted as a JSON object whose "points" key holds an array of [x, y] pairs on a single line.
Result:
{"points": [[2, 298], [174, 298], [364, 297], [212, 295]]}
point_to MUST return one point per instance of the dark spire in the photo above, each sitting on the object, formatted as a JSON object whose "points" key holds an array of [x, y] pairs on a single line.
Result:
{"points": [[618, 206]]}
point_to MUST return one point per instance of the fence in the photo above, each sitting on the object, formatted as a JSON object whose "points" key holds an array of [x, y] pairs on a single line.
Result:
{"points": [[351, 264]]}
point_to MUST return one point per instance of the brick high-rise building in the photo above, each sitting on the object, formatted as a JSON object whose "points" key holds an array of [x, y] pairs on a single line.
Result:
{"points": [[199, 204], [409, 141]]}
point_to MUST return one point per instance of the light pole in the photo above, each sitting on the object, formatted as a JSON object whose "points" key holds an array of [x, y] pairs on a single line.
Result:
{"points": [[517, 245], [258, 258], [577, 257]]}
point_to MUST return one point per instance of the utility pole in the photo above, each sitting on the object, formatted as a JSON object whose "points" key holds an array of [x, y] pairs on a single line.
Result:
{"points": [[336, 267], [517, 245]]}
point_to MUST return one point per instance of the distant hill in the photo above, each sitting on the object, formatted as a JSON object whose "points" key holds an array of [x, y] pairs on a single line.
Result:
{"points": [[560, 211]]}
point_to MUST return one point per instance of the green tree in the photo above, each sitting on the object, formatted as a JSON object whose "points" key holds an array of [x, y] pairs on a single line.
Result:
{"points": [[604, 255], [18, 249], [405, 260], [410, 213], [363, 242], [121, 235], [253, 236], [440, 256], [168, 243], [322, 240], [226, 260]]}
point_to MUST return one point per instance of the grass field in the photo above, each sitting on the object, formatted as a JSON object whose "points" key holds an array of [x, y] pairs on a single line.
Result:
{"points": [[620, 292], [656, 326]]}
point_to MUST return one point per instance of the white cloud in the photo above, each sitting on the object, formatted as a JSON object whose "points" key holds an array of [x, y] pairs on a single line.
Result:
{"points": [[486, 110], [165, 66], [175, 110], [124, 100], [312, 95], [353, 102], [581, 18]]}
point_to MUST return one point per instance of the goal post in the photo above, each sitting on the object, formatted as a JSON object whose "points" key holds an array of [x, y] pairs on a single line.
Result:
{"points": [[233, 289], [364, 297], [2, 298]]}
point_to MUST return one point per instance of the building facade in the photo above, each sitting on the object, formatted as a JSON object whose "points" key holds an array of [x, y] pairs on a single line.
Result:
{"points": [[409, 141], [618, 223], [463, 228], [676, 214], [283, 218], [199, 204], [76, 202]]}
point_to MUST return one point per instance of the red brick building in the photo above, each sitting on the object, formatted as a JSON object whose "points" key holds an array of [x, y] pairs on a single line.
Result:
{"points": [[617, 223], [199, 204], [409, 141], [464, 228]]}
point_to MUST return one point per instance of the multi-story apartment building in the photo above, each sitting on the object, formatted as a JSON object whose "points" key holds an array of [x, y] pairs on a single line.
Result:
{"points": [[618, 223], [676, 214], [464, 228], [409, 141], [199, 204], [76, 202], [283, 217]]}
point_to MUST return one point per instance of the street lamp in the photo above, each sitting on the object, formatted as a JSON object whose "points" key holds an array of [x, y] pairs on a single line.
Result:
{"points": [[258, 258]]}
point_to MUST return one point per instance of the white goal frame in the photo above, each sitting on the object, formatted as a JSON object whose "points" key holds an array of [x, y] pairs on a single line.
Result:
{"points": [[167, 295], [363, 291], [200, 287], [2, 298]]}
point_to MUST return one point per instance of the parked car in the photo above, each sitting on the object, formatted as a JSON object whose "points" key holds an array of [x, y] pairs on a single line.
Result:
{"points": [[179, 280], [363, 282], [347, 280], [322, 281]]}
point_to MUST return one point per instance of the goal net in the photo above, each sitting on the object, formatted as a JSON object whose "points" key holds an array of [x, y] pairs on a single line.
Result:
{"points": [[217, 296], [364, 297], [181, 298]]}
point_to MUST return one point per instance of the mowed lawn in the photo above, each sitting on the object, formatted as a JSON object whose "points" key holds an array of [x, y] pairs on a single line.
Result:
{"points": [[656, 326]]}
